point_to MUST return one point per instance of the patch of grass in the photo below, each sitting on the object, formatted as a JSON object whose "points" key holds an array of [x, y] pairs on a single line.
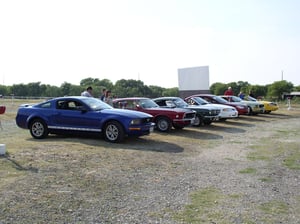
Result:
{"points": [[9, 172], [274, 208], [292, 161], [248, 170], [288, 152], [235, 196], [266, 179], [201, 206]]}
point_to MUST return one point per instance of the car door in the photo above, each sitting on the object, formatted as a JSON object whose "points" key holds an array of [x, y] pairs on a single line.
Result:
{"points": [[72, 114]]}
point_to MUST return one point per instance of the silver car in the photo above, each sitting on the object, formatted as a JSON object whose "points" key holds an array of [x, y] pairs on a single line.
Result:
{"points": [[226, 112]]}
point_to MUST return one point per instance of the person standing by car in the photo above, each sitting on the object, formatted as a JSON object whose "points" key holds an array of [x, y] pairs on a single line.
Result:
{"points": [[241, 95], [88, 92], [103, 94], [229, 92], [108, 98]]}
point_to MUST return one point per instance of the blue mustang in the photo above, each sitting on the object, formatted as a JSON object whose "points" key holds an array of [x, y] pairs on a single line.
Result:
{"points": [[78, 114]]}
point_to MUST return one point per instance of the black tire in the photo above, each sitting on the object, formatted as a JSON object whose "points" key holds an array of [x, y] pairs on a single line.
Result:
{"points": [[250, 111], [207, 122], [178, 127], [114, 132], [198, 121], [163, 124], [38, 129], [267, 112], [222, 119]]}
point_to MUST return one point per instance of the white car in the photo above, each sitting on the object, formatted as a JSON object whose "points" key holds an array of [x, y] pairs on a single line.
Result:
{"points": [[227, 112]]}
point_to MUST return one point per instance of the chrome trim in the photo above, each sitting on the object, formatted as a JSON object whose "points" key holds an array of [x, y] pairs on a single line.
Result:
{"points": [[75, 129]]}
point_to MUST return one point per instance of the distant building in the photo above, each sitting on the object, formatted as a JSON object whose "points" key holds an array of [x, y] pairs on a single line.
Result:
{"points": [[291, 95], [193, 80]]}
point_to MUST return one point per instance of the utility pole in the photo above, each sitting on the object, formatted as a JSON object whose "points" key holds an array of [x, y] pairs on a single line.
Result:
{"points": [[281, 75]]}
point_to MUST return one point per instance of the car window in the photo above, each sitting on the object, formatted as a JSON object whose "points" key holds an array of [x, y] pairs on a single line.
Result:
{"points": [[208, 99], [45, 105], [69, 105], [130, 104], [180, 103], [218, 99], [120, 104], [161, 103], [200, 101], [95, 104], [148, 103], [61, 105], [236, 99]]}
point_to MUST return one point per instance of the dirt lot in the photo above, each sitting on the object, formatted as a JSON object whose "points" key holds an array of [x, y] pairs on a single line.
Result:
{"points": [[244, 170]]}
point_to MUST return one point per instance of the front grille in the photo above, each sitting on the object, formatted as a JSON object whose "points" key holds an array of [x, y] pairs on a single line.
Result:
{"points": [[215, 112], [189, 115]]}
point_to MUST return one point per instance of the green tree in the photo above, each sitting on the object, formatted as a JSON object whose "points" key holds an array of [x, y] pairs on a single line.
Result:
{"points": [[218, 88], [170, 92], [277, 89], [4, 90], [297, 88], [65, 88], [257, 90], [34, 89], [156, 91], [52, 91], [75, 90], [19, 90], [89, 82], [130, 88], [242, 87]]}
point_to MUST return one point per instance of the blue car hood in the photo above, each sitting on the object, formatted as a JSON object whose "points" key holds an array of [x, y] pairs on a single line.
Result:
{"points": [[125, 112]]}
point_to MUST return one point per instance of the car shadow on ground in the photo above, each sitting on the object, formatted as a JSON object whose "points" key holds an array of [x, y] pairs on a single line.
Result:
{"points": [[224, 127], [146, 144], [193, 132], [252, 118], [277, 115], [234, 122], [143, 143]]}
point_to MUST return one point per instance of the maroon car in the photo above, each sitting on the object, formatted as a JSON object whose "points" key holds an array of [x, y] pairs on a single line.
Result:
{"points": [[240, 107], [164, 118]]}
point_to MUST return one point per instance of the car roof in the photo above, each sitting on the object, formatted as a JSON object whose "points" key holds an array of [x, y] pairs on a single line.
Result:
{"points": [[166, 97], [131, 98]]}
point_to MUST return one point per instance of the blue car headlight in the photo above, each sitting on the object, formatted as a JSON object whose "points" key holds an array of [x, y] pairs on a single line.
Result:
{"points": [[136, 122]]}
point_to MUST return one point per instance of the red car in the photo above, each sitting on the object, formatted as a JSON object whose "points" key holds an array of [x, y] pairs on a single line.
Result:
{"points": [[240, 107], [164, 118]]}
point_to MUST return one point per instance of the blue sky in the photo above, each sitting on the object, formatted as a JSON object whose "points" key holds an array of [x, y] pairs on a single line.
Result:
{"points": [[68, 40]]}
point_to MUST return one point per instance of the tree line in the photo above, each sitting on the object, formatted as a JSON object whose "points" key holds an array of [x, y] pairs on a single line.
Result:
{"points": [[122, 88], [130, 87], [276, 90]]}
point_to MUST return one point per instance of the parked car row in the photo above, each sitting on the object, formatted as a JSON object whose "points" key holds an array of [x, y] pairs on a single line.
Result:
{"points": [[132, 116]]}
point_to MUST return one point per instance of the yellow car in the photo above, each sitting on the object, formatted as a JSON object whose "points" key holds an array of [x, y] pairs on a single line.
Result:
{"points": [[269, 106]]}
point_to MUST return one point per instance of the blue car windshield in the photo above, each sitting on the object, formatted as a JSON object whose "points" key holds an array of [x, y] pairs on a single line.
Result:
{"points": [[96, 104]]}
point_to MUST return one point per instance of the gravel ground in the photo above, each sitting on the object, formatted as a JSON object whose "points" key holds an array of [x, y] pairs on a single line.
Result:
{"points": [[151, 179]]}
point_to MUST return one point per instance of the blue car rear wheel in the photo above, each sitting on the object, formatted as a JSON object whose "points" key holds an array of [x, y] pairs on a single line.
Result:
{"points": [[38, 129]]}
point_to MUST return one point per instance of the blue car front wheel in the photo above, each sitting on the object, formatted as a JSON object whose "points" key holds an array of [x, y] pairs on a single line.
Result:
{"points": [[114, 132]]}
